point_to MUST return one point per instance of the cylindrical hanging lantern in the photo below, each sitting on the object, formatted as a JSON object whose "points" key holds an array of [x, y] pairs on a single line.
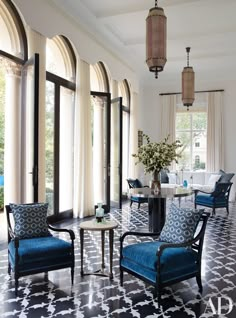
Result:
{"points": [[188, 83], [156, 40]]}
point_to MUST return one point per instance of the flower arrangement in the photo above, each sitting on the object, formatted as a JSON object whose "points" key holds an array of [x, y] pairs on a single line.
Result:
{"points": [[157, 156]]}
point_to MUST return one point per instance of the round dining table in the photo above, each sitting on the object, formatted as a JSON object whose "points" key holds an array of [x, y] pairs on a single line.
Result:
{"points": [[157, 202]]}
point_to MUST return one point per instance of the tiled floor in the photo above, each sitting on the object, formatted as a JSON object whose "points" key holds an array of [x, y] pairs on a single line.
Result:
{"points": [[99, 297]]}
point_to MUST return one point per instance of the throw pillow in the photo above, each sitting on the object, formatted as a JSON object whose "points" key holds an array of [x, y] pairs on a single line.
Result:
{"points": [[180, 225], [172, 178], [213, 179], [225, 177], [30, 220], [164, 176]]}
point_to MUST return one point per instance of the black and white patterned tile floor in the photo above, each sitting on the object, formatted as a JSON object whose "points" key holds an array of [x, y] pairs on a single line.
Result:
{"points": [[98, 297]]}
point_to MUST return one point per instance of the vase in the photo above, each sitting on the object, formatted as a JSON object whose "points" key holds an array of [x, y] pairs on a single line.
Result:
{"points": [[99, 213], [156, 181]]}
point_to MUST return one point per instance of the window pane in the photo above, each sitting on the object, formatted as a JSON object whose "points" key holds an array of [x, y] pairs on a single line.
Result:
{"points": [[183, 121], [199, 121], [49, 144], [185, 161]]}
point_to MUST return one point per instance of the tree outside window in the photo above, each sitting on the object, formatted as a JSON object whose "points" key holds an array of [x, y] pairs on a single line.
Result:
{"points": [[191, 130]]}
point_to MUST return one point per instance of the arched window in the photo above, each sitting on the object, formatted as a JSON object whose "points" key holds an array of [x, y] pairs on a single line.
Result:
{"points": [[13, 53], [124, 92], [60, 87]]}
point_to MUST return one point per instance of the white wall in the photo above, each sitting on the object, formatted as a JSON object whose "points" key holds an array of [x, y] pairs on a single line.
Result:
{"points": [[149, 110]]}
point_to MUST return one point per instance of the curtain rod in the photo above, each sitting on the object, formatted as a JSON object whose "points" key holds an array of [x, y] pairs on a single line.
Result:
{"points": [[211, 91]]}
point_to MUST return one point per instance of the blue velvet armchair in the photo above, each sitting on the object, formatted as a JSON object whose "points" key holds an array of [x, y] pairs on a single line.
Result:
{"points": [[136, 183], [160, 263], [27, 256], [219, 198]]}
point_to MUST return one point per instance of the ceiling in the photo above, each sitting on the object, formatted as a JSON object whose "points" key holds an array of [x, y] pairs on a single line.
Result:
{"points": [[207, 26]]}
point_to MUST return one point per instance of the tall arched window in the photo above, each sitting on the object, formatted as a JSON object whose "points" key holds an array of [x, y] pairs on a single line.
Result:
{"points": [[60, 87], [100, 103], [124, 92], [13, 54]]}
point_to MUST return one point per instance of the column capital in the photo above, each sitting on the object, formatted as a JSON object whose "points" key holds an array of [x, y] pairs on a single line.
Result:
{"points": [[11, 67]]}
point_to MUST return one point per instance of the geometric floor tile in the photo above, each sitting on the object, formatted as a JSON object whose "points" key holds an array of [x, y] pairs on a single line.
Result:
{"points": [[94, 296]]}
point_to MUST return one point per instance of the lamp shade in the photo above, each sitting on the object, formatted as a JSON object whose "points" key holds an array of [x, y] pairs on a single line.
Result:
{"points": [[188, 79], [156, 40], [188, 86]]}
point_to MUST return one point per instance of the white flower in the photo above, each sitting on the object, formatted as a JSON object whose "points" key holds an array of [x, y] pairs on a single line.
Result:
{"points": [[157, 156]]}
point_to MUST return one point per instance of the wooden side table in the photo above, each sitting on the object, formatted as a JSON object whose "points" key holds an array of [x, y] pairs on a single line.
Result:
{"points": [[93, 225]]}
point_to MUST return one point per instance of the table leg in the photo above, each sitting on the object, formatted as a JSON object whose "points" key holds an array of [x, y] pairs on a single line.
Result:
{"points": [[111, 237], [157, 213], [103, 248], [81, 251]]}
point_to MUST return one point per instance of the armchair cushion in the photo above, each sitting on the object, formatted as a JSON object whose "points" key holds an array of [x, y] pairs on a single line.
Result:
{"points": [[213, 179], [180, 224], [208, 199], [40, 248], [175, 262], [225, 177], [30, 220]]}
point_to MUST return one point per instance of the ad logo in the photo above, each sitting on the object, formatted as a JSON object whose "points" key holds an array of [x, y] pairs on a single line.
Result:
{"points": [[222, 308]]}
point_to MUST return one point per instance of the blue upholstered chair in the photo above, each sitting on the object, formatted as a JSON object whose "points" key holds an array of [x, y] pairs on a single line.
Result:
{"points": [[219, 198], [136, 183], [160, 263], [40, 253]]}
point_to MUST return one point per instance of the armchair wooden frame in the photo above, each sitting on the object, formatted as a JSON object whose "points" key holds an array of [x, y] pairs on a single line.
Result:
{"points": [[17, 272], [196, 244], [216, 194]]}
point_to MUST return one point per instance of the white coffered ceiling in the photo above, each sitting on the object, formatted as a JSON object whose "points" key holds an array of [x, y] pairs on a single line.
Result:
{"points": [[207, 26]]}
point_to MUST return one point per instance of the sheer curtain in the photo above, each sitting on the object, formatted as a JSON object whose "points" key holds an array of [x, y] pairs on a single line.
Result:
{"points": [[215, 140], [168, 111], [83, 204], [168, 114]]}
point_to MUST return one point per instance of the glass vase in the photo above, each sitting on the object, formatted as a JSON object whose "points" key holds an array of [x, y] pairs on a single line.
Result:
{"points": [[156, 181], [99, 213]]}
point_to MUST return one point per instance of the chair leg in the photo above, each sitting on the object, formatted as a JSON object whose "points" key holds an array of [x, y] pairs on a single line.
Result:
{"points": [[72, 275], [139, 206], [16, 283], [199, 282], [195, 205], [9, 269], [46, 276], [213, 211], [227, 209], [131, 202], [121, 277]]}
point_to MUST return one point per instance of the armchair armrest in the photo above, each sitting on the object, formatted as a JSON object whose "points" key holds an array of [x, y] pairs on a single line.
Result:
{"points": [[71, 233], [122, 237], [198, 190]]}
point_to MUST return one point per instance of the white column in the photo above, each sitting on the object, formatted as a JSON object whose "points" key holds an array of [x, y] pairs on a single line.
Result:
{"points": [[133, 169], [37, 44], [98, 152], [12, 156], [114, 144], [66, 150]]}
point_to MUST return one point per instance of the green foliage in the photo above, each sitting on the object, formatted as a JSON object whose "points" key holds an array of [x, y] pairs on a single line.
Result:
{"points": [[157, 156]]}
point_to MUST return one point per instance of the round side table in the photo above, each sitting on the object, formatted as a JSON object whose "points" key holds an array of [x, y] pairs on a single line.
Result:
{"points": [[103, 226]]}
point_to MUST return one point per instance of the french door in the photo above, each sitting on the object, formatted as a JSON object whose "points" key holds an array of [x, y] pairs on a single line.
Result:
{"points": [[116, 152], [59, 143], [29, 130], [100, 121]]}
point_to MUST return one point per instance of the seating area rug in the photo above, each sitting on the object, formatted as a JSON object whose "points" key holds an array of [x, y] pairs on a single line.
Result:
{"points": [[99, 297]]}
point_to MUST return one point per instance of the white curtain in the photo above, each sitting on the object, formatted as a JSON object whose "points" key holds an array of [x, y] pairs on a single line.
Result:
{"points": [[133, 148], [168, 111], [83, 204], [215, 140]]}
